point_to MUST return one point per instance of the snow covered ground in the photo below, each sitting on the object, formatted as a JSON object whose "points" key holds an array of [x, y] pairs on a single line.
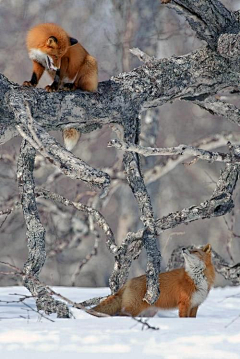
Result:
{"points": [[215, 333]]}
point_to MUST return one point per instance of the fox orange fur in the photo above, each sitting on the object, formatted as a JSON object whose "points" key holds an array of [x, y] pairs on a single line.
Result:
{"points": [[67, 62], [185, 288]]}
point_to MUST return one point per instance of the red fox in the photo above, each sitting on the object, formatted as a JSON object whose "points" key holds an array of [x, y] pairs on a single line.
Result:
{"points": [[185, 288], [67, 62]]}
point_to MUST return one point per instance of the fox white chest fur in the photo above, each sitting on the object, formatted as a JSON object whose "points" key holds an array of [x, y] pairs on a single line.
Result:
{"points": [[42, 58], [202, 291], [195, 269]]}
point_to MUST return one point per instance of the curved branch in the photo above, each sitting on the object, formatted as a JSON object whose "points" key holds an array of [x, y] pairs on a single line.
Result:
{"points": [[41, 140], [208, 18], [217, 107], [219, 204], [97, 216]]}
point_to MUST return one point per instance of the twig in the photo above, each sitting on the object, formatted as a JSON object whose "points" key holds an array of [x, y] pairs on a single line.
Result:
{"points": [[145, 323]]}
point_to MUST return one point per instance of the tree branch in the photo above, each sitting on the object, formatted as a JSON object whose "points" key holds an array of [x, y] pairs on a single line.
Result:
{"points": [[170, 151], [216, 107], [49, 148], [97, 216], [208, 18], [219, 204], [136, 183], [35, 235], [207, 143]]}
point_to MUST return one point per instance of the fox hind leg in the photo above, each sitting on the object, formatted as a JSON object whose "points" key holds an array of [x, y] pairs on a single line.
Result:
{"points": [[88, 75]]}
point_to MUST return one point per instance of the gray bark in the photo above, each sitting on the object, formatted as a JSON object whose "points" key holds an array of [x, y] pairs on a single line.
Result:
{"points": [[35, 235], [194, 77]]}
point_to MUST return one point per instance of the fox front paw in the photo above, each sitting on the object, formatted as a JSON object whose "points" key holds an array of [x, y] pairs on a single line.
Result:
{"points": [[51, 88], [28, 84]]}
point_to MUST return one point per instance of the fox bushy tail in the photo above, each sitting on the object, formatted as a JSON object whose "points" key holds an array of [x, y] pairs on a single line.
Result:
{"points": [[111, 305]]}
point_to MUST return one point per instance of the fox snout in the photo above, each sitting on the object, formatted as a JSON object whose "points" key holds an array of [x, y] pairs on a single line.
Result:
{"points": [[50, 64], [185, 250]]}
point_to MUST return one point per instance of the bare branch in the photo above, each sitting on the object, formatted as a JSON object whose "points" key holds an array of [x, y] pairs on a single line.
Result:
{"points": [[48, 292], [97, 216], [137, 185], [217, 107], [142, 56], [208, 18], [178, 150], [48, 147], [35, 235], [219, 204], [207, 143]]}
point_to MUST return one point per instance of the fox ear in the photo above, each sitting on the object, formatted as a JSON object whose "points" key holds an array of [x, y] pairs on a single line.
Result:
{"points": [[52, 41], [72, 41], [207, 248]]}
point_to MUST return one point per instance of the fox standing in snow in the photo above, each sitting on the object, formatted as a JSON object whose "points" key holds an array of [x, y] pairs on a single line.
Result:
{"points": [[185, 288], [66, 61]]}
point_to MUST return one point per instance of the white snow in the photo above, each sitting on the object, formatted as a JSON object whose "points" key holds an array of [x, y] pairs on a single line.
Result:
{"points": [[215, 333]]}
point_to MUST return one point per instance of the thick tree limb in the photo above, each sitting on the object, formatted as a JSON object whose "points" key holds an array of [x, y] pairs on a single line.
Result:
{"points": [[136, 183], [200, 73], [229, 46], [35, 235], [49, 148]]}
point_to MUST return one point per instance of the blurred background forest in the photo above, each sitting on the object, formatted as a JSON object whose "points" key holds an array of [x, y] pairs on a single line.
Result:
{"points": [[108, 29]]}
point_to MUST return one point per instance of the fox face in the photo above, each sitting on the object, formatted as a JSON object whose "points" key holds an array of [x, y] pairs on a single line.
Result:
{"points": [[50, 54], [49, 49], [197, 259], [48, 61]]}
